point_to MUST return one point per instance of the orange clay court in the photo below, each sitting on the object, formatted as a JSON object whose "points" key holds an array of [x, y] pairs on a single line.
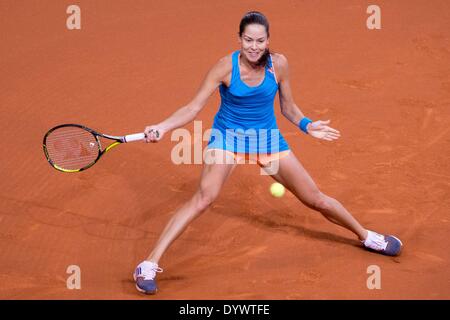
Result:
{"points": [[134, 63]]}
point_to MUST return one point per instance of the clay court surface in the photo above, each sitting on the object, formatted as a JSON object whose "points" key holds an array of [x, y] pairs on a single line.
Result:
{"points": [[133, 63]]}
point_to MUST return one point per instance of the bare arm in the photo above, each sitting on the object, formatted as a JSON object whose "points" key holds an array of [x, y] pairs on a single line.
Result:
{"points": [[292, 112], [188, 112], [288, 107]]}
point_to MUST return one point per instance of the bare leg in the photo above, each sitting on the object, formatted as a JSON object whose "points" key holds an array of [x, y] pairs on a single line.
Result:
{"points": [[295, 178], [212, 179]]}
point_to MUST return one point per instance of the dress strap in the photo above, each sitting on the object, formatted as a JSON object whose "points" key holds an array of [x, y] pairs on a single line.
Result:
{"points": [[272, 69], [235, 67]]}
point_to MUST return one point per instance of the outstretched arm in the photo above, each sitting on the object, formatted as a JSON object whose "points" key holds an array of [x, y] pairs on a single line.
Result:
{"points": [[292, 112], [188, 112]]}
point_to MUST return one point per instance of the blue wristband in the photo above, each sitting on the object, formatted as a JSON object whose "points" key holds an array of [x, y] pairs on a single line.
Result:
{"points": [[304, 123]]}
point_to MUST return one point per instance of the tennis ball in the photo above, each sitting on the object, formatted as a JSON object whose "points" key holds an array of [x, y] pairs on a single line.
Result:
{"points": [[277, 190]]}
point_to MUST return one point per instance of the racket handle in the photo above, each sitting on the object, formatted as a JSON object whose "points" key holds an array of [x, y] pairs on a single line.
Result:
{"points": [[134, 137]]}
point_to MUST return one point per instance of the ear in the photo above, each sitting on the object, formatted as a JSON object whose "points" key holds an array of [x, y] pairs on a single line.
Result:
{"points": [[239, 40]]}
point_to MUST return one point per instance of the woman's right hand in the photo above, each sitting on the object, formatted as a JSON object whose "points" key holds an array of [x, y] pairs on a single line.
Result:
{"points": [[153, 133]]}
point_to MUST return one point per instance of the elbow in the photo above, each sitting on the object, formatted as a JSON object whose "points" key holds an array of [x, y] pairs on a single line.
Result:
{"points": [[193, 110]]}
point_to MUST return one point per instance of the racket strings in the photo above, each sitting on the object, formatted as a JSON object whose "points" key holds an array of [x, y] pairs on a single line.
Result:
{"points": [[72, 148]]}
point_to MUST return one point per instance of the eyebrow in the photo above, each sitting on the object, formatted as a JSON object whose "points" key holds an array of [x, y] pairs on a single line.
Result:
{"points": [[252, 38]]}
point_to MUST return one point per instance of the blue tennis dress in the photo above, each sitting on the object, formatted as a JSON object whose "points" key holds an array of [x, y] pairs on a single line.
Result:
{"points": [[245, 122]]}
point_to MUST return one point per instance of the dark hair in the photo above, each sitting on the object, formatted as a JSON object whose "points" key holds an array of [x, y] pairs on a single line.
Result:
{"points": [[255, 17]]}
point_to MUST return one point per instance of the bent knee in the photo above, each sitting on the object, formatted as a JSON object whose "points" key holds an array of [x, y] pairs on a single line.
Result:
{"points": [[320, 202], [203, 199]]}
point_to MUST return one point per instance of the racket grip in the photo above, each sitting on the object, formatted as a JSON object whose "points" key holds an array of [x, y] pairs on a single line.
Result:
{"points": [[134, 137]]}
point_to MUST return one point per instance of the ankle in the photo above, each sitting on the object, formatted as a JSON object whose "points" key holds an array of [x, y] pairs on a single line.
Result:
{"points": [[155, 261], [363, 235], [153, 258]]}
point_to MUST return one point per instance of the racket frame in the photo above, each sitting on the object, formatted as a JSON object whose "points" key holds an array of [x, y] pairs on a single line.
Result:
{"points": [[117, 140]]}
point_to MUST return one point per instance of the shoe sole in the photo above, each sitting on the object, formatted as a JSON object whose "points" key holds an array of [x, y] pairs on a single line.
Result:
{"points": [[141, 290], [381, 252], [401, 245]]}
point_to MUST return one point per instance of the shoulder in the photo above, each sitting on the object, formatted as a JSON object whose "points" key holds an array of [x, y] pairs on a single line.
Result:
{"points": [[280, 63], [220, 72], [223, 66], [279, 58]]}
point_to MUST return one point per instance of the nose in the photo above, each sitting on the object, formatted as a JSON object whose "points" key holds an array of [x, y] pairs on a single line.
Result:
{"points": [[254, 45]]}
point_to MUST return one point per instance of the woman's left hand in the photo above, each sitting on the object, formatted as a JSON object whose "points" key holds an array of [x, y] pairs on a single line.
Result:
{"points": [[320, 130]]}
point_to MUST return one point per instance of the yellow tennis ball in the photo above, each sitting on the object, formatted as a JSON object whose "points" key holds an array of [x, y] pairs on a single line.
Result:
{"points": [[277, 190]]}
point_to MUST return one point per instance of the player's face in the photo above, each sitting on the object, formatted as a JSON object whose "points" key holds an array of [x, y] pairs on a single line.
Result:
{"points": [[254, 42]]}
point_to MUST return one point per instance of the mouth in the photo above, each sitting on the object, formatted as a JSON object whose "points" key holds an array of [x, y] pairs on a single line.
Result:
{"points": [[253, 55]]}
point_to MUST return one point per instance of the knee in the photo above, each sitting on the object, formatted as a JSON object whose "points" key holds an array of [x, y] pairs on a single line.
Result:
{"points": [[320, 202], [204, 198]]}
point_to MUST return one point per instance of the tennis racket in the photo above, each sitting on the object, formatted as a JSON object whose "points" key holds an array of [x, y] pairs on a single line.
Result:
{"points": [[74, 148]]}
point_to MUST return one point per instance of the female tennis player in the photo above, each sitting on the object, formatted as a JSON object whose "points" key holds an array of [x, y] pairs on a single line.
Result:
{"points": [[248, 80]]}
